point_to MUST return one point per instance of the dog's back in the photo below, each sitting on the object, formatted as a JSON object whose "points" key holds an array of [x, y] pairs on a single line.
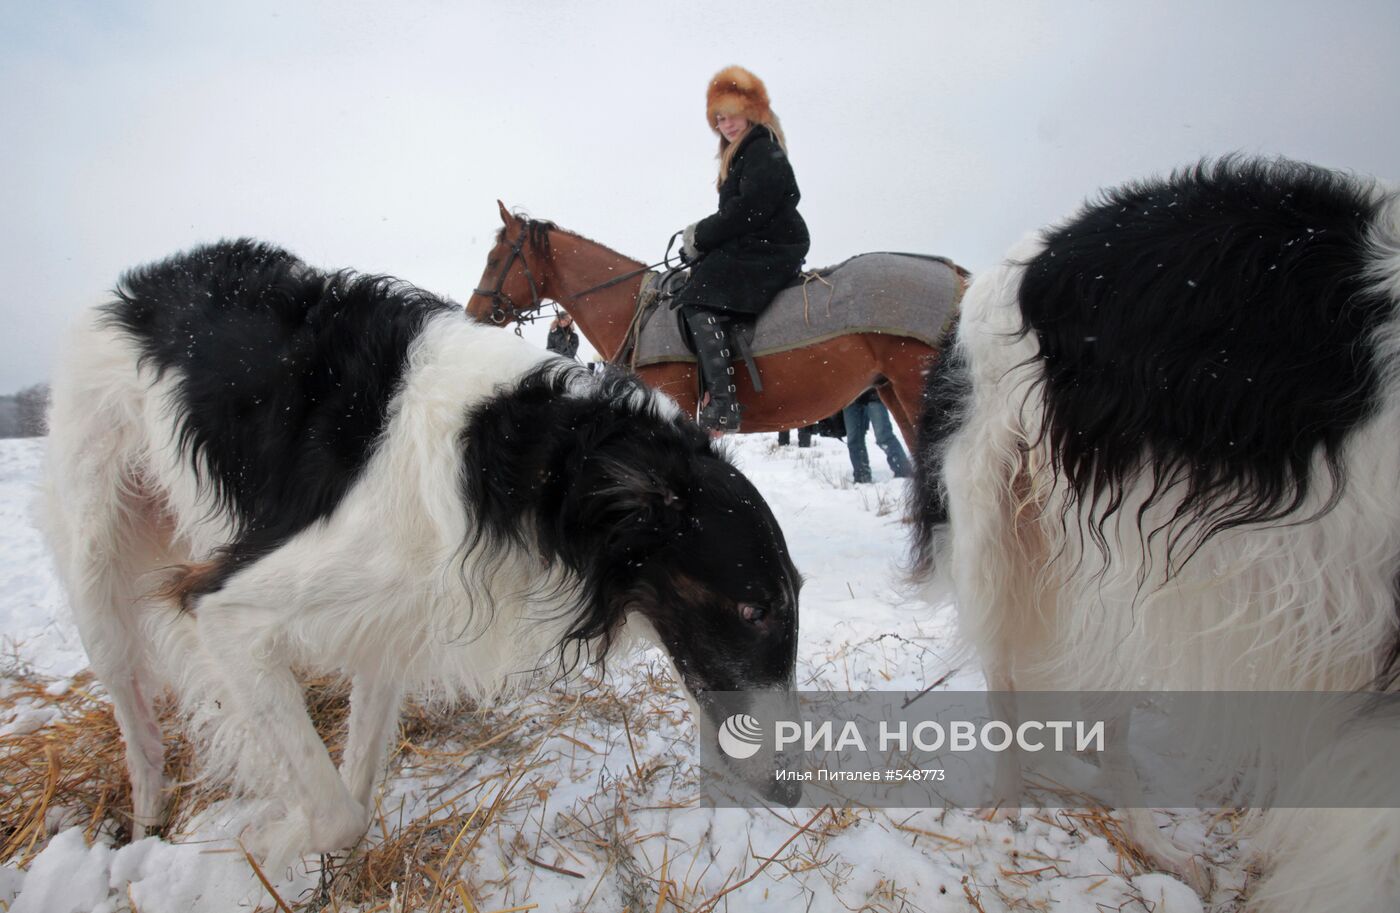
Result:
{"points": [[1179, 437], [228, 400], [1174, 466], [258, 468]]}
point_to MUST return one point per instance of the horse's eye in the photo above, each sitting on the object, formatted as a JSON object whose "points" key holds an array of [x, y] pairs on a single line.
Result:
{"points": [[752, 613]]}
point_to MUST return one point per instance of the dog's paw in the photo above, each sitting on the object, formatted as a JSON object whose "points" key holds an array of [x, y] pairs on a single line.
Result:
{"points": [[337, 827], [301, 831], [279, 841], [1191, 868]]}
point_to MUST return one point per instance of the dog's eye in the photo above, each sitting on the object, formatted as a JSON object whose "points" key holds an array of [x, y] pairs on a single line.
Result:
{"points": [[752, 613]]}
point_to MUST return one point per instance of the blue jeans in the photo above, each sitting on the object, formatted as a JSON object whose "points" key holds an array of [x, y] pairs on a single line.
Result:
{"points": [[860, 416]]}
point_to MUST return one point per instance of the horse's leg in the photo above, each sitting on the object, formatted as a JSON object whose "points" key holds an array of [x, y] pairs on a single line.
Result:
{"points": [[902, 362]]}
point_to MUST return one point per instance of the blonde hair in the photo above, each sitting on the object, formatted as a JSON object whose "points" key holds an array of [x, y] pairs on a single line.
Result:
{"points": [[726, 148]]}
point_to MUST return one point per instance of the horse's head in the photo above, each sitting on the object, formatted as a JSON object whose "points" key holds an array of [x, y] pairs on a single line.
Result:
{"points": [[510, 288]]}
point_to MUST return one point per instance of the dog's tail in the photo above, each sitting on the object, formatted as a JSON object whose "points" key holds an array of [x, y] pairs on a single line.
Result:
{"points": [[186, 582]]}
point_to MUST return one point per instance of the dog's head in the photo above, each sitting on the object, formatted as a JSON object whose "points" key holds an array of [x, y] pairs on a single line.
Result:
{"points": [[648, 518], [605, 478], [692, 548]]}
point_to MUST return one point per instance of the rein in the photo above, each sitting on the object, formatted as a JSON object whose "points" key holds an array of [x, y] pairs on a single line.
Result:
{"points": [[664, 261], [504, 309]]}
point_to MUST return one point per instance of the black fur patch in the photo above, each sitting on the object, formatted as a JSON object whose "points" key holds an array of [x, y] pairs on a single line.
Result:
{"points": [[286, 374], [946, 386], [644, 512], [1213, 327]]}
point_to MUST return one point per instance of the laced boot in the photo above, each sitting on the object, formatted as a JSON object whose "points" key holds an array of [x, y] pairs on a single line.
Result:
{"points": [[721, 413]]}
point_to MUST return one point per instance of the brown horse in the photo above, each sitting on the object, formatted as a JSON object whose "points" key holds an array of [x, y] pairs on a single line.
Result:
{"points": [[535, 260]]}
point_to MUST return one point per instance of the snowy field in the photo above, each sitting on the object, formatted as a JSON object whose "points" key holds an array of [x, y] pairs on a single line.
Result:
{"points": [[583, 796]]}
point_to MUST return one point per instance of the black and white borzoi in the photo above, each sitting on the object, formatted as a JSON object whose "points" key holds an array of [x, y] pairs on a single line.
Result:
{"points": [[346, 473], [1174, 464]]}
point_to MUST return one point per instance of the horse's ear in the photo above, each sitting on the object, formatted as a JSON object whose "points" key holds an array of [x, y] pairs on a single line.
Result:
{"points": [[505, 213]]}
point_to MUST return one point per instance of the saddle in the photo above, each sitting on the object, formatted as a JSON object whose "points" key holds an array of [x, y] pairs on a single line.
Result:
{"points": [[900, 294]]}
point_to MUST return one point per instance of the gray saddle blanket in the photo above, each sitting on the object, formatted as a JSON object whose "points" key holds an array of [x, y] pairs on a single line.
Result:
{"points": [[898, 294]]}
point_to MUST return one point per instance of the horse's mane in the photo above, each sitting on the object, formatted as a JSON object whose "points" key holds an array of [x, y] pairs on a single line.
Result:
{"points": [[537, 229], [538, 234]]}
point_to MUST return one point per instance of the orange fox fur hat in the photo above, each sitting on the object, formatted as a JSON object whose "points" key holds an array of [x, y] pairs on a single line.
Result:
{"points": [[736, 91]]}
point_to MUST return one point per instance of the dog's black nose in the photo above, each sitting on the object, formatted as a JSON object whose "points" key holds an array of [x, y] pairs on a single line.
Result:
{"points": [[787, 793]]}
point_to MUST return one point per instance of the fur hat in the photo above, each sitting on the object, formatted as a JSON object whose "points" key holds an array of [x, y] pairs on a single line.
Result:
{"points": [[736, 91]]}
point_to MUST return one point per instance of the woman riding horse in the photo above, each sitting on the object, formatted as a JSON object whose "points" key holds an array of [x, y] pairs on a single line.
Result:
{"points": [[753, 246]]}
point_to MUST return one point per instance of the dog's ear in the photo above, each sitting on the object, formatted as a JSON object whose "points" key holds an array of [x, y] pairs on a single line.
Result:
{"points": [[631, 501], [600, 508]]}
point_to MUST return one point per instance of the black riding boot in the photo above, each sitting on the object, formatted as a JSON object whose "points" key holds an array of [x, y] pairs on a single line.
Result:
{"points": [[721, 413]]}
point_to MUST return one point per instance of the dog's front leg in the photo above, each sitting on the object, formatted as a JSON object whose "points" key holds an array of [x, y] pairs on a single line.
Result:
{"points": [[284, 756], [374, 715], [1122, 780]]}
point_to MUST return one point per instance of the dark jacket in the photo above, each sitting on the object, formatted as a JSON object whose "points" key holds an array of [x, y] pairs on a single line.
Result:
{"points": [[754, 245], [563, 340]]}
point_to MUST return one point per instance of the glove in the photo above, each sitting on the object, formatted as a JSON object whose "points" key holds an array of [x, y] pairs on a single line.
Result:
{"points": [[689, 252]]}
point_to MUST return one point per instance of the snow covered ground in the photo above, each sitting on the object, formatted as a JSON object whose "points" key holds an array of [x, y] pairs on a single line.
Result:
{"points": [[583, 796]]}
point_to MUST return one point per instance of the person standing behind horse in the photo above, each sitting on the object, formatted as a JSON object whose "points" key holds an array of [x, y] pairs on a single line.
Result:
{"points": [[754, 245], [868, 412], [562, 340]]}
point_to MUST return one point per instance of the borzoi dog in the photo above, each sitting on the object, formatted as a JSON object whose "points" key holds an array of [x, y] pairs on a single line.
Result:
{"points": [[255, 466], [1173, 464]]}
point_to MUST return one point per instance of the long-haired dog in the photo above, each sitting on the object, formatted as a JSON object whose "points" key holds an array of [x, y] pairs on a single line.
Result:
{"points": [[1173, 464], [255, 466]]}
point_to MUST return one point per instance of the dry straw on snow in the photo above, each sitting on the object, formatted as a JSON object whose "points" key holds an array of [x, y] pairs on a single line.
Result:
{"points": [[472, 819]]}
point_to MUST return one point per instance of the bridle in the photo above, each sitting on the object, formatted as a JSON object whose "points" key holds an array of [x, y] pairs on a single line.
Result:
{"points": [[504, 309]]}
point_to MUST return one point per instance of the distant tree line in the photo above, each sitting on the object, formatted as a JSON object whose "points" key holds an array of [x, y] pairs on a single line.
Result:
{"points": [[24, 413]]}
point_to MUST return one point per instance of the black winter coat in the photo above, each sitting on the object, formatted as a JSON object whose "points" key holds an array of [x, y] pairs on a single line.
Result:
{"points": [[755, 244], [563, 340]]}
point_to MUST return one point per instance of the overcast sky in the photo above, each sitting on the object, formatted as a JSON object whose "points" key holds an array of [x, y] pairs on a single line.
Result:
{"points": [[379, 135]]}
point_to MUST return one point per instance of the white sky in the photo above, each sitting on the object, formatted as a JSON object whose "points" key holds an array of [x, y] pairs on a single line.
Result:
{"points": [[379, 135]]}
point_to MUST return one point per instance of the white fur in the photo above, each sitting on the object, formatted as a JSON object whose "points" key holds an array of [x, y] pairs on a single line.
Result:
{"points": [[373, 591], [1308, 607]]}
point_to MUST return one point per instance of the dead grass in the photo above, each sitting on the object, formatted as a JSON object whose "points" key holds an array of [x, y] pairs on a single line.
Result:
{"points": [[481, 825], [72, 769], [491, 773]]}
